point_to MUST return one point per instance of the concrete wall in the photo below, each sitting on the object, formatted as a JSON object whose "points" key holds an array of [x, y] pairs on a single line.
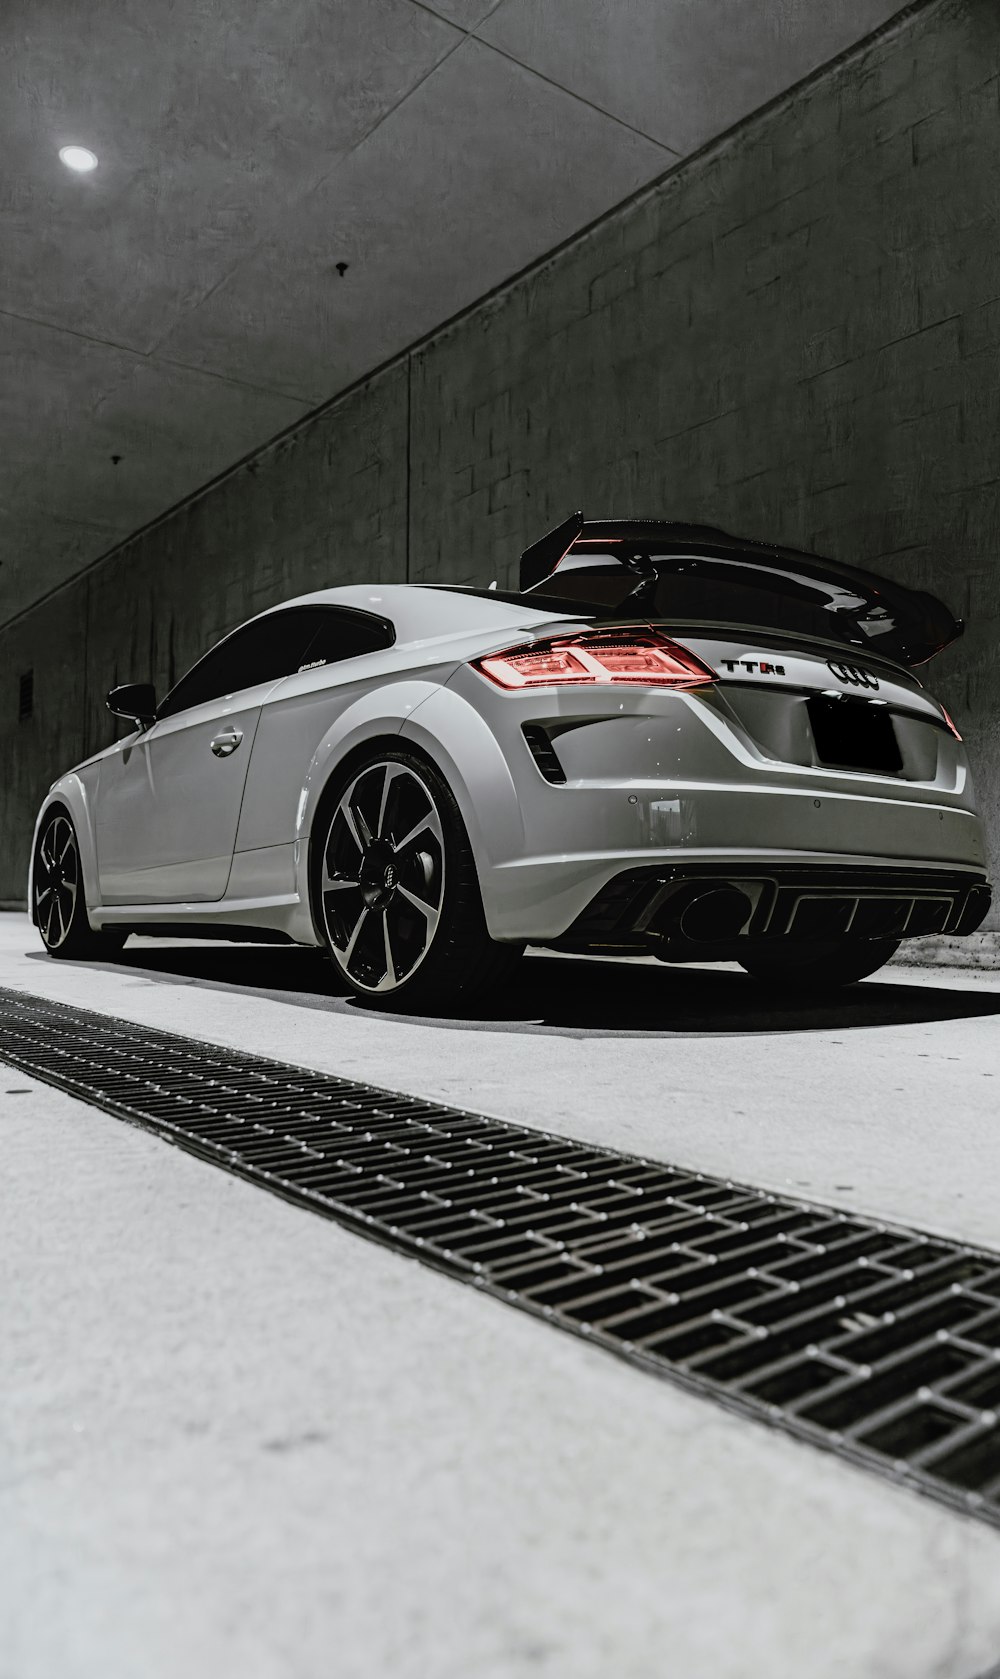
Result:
{"points": [[794, 335]]}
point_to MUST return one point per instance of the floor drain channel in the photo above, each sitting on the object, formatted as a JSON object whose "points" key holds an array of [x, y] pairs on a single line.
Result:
{"points": [[878, 1342]]}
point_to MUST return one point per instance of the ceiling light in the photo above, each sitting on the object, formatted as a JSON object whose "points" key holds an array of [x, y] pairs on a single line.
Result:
{"points": [[78, 158]]}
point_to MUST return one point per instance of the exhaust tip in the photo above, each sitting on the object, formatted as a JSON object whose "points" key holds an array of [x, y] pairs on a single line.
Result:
{"points": [[719, 913]]}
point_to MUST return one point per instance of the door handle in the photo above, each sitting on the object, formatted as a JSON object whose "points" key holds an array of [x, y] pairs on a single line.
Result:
{"points": [[226, 742]]}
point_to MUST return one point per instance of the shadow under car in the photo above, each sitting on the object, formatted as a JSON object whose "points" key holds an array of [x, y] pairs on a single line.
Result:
{"points": [[571, 995]]}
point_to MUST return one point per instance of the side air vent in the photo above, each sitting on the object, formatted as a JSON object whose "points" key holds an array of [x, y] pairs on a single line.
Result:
{"points": [[544, 753]]}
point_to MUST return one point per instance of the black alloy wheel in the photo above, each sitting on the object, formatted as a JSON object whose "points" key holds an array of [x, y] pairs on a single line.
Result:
{"points": [[59, 905], [396, 889], [823, 966]]}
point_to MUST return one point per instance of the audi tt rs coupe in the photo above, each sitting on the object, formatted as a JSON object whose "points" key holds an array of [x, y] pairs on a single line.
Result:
{"points": [[667, 740]]}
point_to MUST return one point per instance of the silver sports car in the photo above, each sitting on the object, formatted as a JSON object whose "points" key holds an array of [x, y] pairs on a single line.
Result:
{"points": [[667, 740]]}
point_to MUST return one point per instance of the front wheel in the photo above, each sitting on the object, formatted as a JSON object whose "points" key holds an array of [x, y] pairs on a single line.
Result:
{"points": [[396, 889], [823, 966], [59, 906]]}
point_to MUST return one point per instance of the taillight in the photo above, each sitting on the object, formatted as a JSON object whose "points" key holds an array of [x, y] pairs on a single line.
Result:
{"points": [[949, 722], [638, 657]]}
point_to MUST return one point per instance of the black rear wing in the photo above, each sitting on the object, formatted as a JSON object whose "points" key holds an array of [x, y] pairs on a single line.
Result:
{"points": [[924, 624]]}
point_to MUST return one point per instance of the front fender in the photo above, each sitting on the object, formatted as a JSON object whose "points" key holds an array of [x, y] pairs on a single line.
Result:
{"points": [[74, 794]]}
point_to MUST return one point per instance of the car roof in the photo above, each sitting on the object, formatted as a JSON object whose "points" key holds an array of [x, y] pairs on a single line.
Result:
{"points": [[422, 613]]}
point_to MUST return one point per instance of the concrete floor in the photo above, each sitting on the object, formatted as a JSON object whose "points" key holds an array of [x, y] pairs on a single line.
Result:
{"points": [[237, 1439]]}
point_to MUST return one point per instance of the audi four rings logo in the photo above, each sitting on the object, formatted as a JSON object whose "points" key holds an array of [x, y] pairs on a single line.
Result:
{"points": [[853, 674]]}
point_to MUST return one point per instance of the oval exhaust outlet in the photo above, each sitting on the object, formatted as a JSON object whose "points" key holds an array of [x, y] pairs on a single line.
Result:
{"points": [[719, 913]]}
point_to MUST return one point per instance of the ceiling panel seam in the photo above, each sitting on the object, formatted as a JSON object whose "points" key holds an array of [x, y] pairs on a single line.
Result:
{"points": [[247, 257], [144, 358], [281, 391], [855, 50], [551, 81], [424, 6], [590, 105], [314, 186], [72, 332]]}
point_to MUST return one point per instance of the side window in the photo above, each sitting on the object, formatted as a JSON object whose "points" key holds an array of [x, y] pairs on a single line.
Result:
{"points": [[344, 635], [262, 651]]}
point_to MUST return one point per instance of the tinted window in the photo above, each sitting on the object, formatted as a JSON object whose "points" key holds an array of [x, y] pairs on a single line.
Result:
{"points": [[263, 651], [343, 635], [276, 646]]}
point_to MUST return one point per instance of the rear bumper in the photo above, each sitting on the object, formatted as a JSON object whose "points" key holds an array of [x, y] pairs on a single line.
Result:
{"points": [[705, 907], [673, 782], [749, 832]]}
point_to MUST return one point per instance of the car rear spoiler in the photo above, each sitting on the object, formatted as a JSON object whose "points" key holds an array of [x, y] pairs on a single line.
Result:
{"points": [[541, 559], [929, 624]]}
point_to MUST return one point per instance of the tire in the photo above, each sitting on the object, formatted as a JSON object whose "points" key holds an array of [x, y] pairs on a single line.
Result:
{"points": [[822, 966], [59, 905], [395, 890]]}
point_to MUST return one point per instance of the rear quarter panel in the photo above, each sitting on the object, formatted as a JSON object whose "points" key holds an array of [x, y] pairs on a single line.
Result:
{"points": [[304, 732]]}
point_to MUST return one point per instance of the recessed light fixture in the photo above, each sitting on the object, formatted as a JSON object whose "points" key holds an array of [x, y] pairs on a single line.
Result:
{"points": [[78, 158]]}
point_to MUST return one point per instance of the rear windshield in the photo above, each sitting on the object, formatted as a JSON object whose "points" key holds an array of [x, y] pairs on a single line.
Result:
{"points": [[778, 594]]}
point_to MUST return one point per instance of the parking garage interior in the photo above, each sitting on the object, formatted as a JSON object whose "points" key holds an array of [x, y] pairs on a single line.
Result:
{"points": [[298, 296]]}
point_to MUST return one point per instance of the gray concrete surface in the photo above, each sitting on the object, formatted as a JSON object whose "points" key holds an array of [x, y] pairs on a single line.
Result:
{"points": [[941, 950], [885, 1101], [238, 1439], [794, 336]]}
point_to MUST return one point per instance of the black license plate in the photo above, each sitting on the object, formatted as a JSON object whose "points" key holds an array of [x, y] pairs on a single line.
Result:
{"points": [[853, 735]]}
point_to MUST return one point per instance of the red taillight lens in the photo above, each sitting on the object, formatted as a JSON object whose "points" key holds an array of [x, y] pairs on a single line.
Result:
{"points": [[947, 717], [641, 657]]}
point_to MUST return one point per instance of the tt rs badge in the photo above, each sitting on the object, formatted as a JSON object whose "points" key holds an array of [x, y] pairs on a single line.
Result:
{"points": [[760, 665]]}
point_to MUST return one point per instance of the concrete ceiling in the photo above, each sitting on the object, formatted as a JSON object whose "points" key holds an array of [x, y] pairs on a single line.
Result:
{"points": [[181, 304]]}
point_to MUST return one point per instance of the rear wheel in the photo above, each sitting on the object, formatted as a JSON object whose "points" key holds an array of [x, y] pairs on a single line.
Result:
{"points": [[822, 966], [59, 905], [396, 889]]}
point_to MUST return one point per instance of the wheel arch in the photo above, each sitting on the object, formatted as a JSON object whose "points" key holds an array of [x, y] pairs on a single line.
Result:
{"points": [[441, 727], [68, 796], [341, 771], [462, 746]]}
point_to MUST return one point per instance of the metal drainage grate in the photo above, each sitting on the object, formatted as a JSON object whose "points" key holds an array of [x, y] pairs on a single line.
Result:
{"points": [[878, 1342]]}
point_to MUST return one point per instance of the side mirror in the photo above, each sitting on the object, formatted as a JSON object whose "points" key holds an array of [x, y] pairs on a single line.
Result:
{"points": [[135, 701]]}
